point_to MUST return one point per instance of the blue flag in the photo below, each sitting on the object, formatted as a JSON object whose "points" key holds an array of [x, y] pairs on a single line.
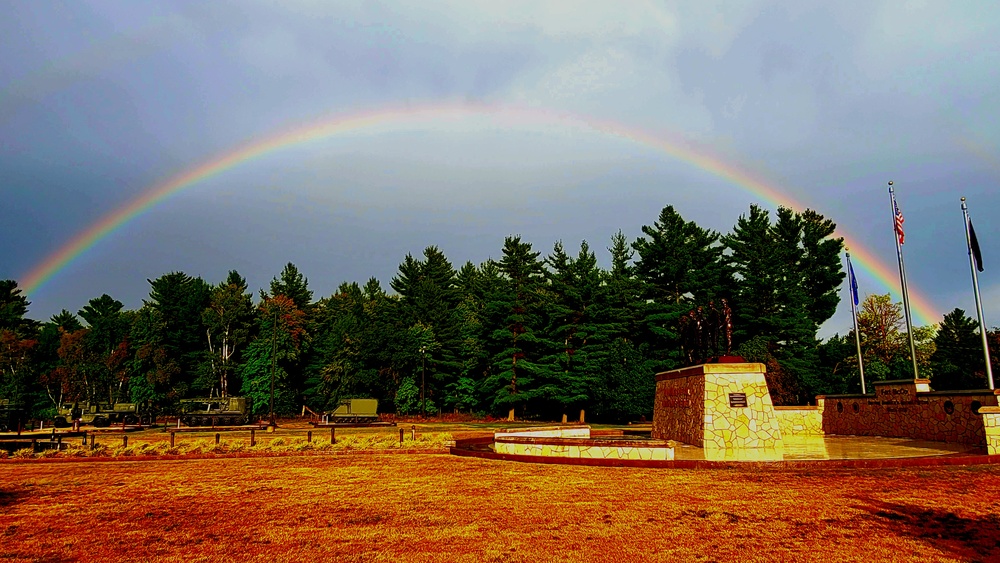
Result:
{"points": [[854, 282]]}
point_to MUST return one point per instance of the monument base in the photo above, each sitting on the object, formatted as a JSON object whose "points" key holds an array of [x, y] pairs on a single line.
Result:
{"points": [[722, 406]]}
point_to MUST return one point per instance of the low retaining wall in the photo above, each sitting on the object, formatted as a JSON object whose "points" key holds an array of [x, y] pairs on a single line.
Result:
{"points": [[575, 442], [799, 421], [907, 409], [579, 431], [597, 448]]}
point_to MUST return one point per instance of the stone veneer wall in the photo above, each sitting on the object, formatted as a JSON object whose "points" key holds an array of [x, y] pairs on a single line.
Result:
{"points": [[546, 432], [991, 426], [800, 421], [659, 450], [908, 409], [694, 405], [679, 408]]}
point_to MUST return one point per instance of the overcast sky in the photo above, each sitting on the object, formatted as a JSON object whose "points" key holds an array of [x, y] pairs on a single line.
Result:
{"points": [[826, 102]]}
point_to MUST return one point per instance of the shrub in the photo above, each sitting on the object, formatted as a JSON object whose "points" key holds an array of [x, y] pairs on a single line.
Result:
{"points": [[302, 446]]}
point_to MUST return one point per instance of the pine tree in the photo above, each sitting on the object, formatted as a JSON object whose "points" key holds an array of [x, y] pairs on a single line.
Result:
{"points": [[13, 306], [786, 277], [18, 340], [680, 267], [958, 360], [293, 285], [429, 298], [514, 313], [575, 335], [106, 347], [180, 300]]}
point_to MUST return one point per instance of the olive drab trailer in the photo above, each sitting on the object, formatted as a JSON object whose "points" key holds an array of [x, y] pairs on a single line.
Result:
{"points": [[103, 415], [215, 411], [12, 416], [355, 411]]}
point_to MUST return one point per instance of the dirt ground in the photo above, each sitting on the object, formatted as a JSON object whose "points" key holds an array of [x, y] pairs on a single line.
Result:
{"points": [[436, 507]]}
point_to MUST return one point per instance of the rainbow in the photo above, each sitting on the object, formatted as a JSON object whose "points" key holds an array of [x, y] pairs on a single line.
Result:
{"points": [[400, 116]]}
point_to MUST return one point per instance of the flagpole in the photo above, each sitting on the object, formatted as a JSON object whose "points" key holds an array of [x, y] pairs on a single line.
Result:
{"points": [[854, 316], [902, 282], [975, 288]]}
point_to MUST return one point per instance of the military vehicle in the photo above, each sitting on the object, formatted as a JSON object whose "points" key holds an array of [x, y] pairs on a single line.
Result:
{"points": [[103, 415], [215, 411], [12, 416], [355, 411]]}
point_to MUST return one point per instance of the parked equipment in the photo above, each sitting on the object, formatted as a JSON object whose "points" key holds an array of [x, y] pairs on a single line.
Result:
{"points": [[355, 411], [103, 415], [215, 411]]}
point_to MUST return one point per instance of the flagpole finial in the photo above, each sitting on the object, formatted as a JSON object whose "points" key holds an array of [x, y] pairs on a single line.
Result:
{"points": [[890, 182], [963, 198]]}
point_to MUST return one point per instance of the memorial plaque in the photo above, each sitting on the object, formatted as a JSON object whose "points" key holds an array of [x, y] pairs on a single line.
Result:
{"points": [[737, 400]]}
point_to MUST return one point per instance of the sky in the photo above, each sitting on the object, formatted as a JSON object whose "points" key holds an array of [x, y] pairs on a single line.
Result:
{"points": [[340, 136]]}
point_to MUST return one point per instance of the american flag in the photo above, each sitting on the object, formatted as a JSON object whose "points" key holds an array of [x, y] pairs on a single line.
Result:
{"points": [[899, 222]]}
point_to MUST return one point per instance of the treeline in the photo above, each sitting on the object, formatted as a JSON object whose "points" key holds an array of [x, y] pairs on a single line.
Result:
{"points": [[536, 335]]}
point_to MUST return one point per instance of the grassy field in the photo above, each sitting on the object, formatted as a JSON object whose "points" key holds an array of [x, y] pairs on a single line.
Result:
{"points": [[428, 507]]}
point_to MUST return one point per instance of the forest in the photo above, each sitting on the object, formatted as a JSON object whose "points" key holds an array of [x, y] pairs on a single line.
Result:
{"points": [[528, 334]]}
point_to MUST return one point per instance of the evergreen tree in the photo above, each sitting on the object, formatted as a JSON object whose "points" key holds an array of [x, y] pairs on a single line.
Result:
{"points": [[622, 290], [429, 298], [157, 372], [18, 343], [293, 285], [106, 348], [13, 307], [680, 267], [576, 333], [786, 277], [361, 349], [180, 300], [514, 313], [958, 359]]}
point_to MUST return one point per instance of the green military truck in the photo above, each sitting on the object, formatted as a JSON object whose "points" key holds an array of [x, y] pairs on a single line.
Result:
{"points": [[103, 415], [215, 411], [12, 416], [354, 411]]}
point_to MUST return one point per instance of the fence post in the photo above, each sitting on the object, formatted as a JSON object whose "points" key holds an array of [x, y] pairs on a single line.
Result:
{"points": [[253, 437], [124, 441], [172, 434], [217, 435], [309, 436], [34, 445], [413, 432], [84, 437], [400, 436], [93, 440], [333, 435]]}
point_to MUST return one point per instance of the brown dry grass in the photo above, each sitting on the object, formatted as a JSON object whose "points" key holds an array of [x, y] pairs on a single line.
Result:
{"points": [[378, 507]]}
